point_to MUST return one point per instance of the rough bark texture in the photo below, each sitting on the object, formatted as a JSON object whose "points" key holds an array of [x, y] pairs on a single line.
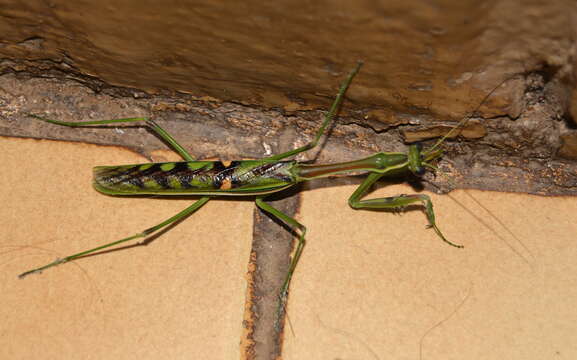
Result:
{"points": [[427, 65]]}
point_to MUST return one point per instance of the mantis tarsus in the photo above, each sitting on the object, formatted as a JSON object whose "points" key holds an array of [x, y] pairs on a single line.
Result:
{"points": [[257, 178]]}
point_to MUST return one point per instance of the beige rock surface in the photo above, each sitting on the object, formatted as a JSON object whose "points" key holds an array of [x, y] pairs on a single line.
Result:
{"points": [[369, 283]]}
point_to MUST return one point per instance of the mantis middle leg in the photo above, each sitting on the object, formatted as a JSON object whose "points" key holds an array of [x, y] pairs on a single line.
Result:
{"points": [[330, 115], [301, 230]]}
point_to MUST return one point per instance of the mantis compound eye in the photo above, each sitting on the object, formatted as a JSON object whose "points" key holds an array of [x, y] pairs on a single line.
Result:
{"points": [[419, 171]]}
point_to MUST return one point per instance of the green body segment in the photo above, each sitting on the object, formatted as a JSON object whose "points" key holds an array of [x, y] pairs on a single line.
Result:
{"points": [[389, 163], [245, 177]]}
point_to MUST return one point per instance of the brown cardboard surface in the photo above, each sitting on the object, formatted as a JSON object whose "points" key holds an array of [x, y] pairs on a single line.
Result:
{"points": [[182, 296], [374, 285]]}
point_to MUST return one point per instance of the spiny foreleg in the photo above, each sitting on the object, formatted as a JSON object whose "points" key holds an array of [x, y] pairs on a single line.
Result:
{"points": [[395, 203]]}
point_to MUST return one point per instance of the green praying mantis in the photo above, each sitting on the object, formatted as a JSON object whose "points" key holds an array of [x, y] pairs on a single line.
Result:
{"points": [[256, 178]]}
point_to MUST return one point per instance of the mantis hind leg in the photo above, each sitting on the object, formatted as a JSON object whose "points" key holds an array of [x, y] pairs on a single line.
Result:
{"points": [[300, 246], [395, 202], [184, 213], [330, 115], [164, 135]]}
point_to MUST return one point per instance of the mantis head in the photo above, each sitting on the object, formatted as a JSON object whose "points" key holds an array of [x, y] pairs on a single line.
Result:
{"points": [[419, 161]]}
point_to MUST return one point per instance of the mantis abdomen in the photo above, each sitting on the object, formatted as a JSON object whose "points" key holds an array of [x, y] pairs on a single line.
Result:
{"points": [[243, 177]]}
